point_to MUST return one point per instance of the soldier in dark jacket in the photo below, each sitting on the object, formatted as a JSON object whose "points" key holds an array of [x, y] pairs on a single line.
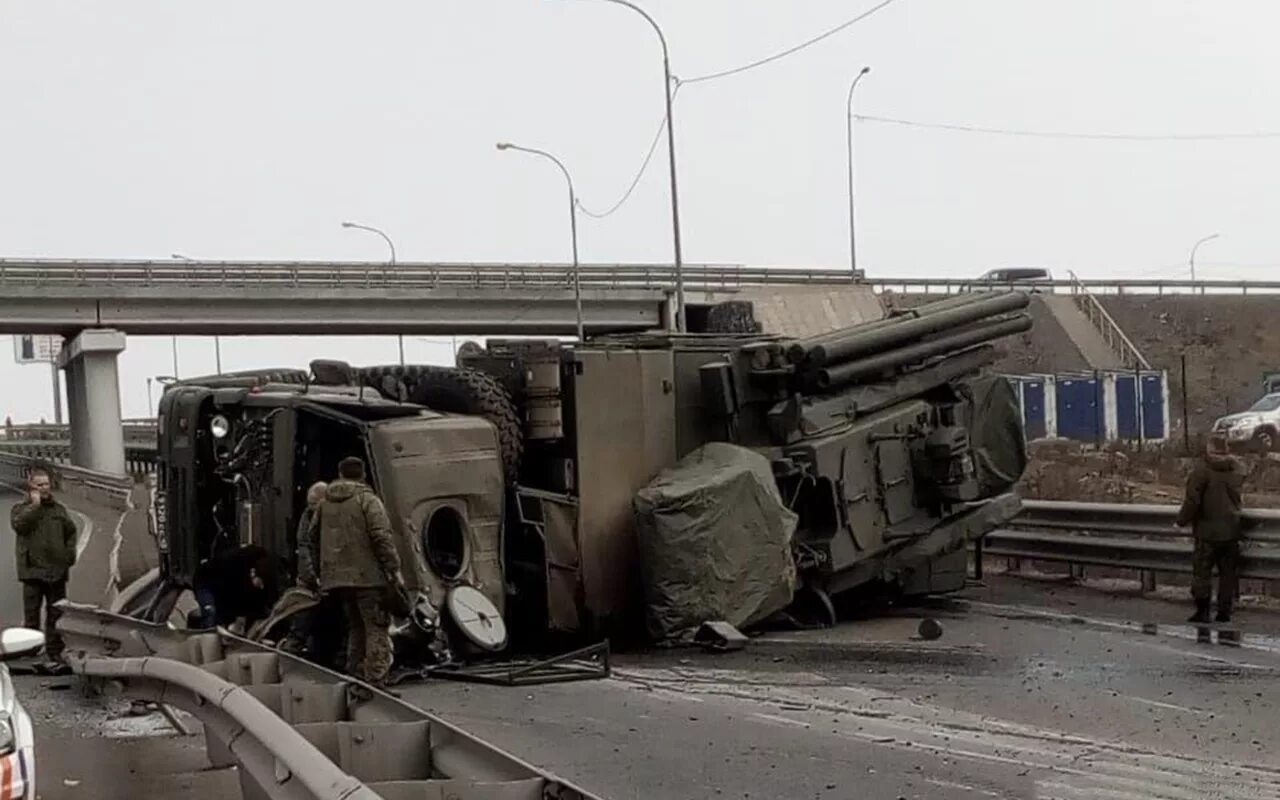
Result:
{"points": [[359, 565], [300, 628], [1212, 509], [46, 551]]}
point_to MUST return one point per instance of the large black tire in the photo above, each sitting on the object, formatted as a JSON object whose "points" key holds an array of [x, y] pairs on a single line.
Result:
{"points": [[461, 391], [259, 377]]}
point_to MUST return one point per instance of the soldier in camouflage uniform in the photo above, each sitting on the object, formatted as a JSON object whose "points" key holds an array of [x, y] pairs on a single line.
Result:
{"points": [[1212, 508], [46, 551], [360, 566], [300, 628]]}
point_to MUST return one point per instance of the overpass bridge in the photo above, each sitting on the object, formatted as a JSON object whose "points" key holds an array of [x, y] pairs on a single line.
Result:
{"points": [[94, 304]]}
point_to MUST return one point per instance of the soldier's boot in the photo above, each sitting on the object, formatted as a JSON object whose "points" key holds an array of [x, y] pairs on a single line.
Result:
{"points": [[1224, 611], [1202, 611]]}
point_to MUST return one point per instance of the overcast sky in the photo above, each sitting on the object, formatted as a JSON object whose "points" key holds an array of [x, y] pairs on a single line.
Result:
{"points": [[251, 129]]}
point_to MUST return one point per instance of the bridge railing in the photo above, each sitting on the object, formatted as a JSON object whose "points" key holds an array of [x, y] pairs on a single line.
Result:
{"points": [[54, 273], [135, 430], [1103, 286], [112, 491]]}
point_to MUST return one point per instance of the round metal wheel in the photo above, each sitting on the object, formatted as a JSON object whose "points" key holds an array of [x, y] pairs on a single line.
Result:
{"points": [[477, 618]]}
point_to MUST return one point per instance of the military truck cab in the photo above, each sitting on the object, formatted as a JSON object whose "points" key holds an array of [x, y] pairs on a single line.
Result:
{"points": [[236, 462]]}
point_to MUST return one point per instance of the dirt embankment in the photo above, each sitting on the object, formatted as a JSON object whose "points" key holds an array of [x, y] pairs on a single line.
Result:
{"points": [[1229, 342], [1069, 471]]}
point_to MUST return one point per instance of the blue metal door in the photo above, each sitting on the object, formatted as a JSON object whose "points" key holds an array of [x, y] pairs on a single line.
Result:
{"points": [[1127, 407], [1033, 416], [1079, 413], [1153, 407]]}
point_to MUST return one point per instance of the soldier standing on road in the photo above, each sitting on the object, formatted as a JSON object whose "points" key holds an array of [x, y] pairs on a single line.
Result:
{"points": [[1212, 508], [308, 558], [360, 566], [46, 551]]}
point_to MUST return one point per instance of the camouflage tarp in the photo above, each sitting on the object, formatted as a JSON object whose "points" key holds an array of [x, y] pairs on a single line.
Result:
{"points": [[715, 542]]}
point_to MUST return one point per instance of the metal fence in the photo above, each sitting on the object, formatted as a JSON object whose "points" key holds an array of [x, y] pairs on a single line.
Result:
{"points": [[1138, 537], [1096, 286], [135, 430], [296, 730], [404, 275], [110, 490], [139, 457], [62, 273]]}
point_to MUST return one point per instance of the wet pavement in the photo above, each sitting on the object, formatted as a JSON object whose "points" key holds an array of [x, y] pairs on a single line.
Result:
{"points": [[1035, 689], [1017, 699], [91, 748]]}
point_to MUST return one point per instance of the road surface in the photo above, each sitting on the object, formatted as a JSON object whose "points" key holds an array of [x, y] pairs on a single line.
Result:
{"points": [[1026, 695], [1035, 690]]}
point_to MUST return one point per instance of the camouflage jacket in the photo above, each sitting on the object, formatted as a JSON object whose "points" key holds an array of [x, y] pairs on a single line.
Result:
{"points": [[46, 540], [307, 552], [1212, 502], [356, 545]]}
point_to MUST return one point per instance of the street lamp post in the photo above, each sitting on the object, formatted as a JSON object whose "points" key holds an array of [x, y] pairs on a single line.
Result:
{"points": [[217, 340], [151, 411], [1194, 248], [671, 160], [392, 247], [853, 244], [573, 225]]}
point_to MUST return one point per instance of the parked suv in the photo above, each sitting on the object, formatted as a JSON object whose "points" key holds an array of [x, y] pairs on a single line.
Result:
{"points": [[1259, 426]]}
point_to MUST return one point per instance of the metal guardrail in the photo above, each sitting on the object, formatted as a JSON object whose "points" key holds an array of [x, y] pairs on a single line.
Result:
{"points": [[403, 275], [68, 273], [1140, 537], [115, 489], [140, 458], [1097, 286], [296, 730], [135, 430], [1111, 332]]}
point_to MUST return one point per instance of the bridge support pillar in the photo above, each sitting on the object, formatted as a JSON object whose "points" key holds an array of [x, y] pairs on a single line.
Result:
{"points": [[93, 399]]}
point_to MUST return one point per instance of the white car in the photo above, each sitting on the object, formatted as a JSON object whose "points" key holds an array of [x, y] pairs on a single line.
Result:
{"points": [[1259, 426], [17, 739]]}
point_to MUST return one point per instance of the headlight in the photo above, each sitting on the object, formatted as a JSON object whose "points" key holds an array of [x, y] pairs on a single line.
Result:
{"points": [[219, 427], [7, 739]]}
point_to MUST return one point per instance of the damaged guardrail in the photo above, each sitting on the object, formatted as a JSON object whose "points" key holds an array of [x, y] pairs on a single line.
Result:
{"points": [[297, 730], [1141, 537]]}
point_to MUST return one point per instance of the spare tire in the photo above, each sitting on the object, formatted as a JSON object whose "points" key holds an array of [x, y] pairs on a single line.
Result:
{"points": [[461, 391]]}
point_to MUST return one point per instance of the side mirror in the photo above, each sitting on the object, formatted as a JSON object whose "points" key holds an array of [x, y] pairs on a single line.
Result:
{"points": [[19, 643]]}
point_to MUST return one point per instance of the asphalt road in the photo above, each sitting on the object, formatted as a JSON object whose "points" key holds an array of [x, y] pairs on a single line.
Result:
{"points": [[1028, 694]]}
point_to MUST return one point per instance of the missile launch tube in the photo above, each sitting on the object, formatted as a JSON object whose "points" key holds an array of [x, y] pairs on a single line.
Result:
{"points": [[840, 374], [861, 341]]}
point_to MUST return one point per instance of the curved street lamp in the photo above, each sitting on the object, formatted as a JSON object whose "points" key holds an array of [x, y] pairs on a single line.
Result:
{"points": [[573, 225], [392, 247], [1194, 248], [853, 246], [671, 159]]}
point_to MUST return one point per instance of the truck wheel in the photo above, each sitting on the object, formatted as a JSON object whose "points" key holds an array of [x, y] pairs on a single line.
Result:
{"points": [[466, 391]]}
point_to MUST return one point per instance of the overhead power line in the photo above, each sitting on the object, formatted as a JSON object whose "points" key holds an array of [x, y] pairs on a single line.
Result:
{"points": [[644, 166], [662, 125], [791, 50], [1034, 134]]}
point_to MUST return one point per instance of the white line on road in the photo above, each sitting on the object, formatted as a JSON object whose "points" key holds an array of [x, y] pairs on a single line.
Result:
{"points": [[1169, 706], [795, 723]]}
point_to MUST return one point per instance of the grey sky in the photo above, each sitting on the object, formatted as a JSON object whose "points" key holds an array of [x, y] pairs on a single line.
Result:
{"points": [[250, 130]]}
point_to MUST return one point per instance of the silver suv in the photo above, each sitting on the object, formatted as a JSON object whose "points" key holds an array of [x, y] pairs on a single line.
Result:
{"points": [[1259, 426]]}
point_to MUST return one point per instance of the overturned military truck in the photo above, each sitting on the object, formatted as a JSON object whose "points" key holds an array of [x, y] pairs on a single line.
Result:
{"points": [[516, 472]]}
